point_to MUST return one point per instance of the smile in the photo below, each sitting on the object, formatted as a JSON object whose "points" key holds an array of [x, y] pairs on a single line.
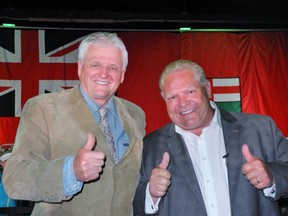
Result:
{"points": [[186, 112], [102, 83]]}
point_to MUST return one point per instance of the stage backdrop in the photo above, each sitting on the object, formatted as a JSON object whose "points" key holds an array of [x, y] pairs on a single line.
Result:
{"points": [[248, 71]]}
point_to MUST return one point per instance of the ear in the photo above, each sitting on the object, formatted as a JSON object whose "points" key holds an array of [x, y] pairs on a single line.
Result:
{"points": [[122, 77], [208, 89], [79, 68]]}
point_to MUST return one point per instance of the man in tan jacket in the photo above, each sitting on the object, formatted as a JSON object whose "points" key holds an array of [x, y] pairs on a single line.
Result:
{"points": [[61, 159]]}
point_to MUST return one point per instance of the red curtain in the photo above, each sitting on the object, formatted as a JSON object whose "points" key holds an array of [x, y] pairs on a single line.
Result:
{"points": [[263, 68], [258, 59]]}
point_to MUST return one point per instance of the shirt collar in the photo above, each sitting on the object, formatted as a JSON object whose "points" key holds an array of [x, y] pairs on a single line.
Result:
{"points": [[94, 106], [216, 118]]}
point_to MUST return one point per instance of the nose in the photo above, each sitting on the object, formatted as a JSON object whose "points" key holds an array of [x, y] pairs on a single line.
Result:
{"points": [[104, 71], [182, 101]]}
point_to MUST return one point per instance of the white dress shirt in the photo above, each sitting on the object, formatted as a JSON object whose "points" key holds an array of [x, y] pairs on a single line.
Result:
{"points": [[206, 152]]}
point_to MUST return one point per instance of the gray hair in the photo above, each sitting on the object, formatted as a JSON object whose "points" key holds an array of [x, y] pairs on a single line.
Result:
{"points": [[100, 38], [180, 65]]}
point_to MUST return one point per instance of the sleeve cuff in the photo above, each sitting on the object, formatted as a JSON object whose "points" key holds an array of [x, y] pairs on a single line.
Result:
{"points": [[150, 207], [71, 184]]}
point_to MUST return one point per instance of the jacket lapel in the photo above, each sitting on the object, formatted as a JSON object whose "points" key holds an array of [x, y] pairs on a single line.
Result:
{"points": [[182, 160], [232, 137], [128, 123]]}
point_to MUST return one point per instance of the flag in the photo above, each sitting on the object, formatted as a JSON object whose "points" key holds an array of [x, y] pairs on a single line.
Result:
{"points": [[29, 58], [226, 93], [32, 63]]}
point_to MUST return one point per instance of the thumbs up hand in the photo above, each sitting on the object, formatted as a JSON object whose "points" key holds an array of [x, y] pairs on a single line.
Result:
{"points": [[160, 178], [255, 170], [88, 164]]}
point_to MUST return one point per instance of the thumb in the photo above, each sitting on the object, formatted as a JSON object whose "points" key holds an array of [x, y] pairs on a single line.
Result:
{"points": [[246, 153], [165, 161], [90, 142]]}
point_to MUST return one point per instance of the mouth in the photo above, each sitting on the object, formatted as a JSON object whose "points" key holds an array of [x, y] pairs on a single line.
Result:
{"points": [[187, 112], [102, 82]]}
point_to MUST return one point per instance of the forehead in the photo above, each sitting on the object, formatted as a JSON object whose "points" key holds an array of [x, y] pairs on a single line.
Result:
{"points": [[108, 52], [180, 81], [108, 46], [184, 76]]}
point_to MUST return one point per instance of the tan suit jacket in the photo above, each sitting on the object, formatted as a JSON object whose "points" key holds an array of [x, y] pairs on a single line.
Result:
{"points": [[56, 125]]}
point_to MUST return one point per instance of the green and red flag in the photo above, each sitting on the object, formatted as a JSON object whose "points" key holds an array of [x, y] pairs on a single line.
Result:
{"points": [[226, 93]]}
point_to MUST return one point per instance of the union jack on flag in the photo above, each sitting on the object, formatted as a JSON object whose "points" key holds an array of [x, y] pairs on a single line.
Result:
{"points": [[29, 60], [31, 63]]}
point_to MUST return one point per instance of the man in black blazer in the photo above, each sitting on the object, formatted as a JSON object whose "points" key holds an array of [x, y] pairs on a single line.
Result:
{"points": [[208, 161]]}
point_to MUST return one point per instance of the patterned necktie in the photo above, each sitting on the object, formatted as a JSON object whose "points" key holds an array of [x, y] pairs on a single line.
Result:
{"points": [[103, 112]]}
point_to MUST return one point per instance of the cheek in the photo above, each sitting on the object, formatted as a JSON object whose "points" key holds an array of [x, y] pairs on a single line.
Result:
{"points": [[172, 114], [170, 108], [82, 73]]}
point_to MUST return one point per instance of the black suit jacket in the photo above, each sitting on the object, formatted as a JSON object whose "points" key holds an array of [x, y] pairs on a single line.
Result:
{"points": [[184, 197]]}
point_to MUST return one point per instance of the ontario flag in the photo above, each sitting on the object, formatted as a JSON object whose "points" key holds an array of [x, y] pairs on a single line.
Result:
{"points": [[32, 63], [226, 93]]}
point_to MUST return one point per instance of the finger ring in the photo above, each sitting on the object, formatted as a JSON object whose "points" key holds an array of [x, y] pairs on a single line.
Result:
{"points": [[257, 180]]}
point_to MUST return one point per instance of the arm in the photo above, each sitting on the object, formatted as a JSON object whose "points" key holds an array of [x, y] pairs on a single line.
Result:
{"points": [[269, 168], [35, 176], [41, 148]]}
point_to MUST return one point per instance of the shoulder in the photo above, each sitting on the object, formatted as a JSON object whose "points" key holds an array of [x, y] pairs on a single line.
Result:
{"points": [[127, 104], [160, 134], [56, 97], [249, 122], [240, 117], [131, 107]]}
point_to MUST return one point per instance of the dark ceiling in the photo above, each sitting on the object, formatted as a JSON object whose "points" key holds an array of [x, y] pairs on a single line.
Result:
{"points": [[163, 15]]}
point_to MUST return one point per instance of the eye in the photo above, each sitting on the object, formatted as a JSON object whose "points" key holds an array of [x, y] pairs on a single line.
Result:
{"points": [[171, 98], [113, 68], [96, 65], [191, 92]]}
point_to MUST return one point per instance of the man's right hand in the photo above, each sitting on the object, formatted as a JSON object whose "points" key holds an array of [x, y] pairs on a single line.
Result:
{"points": [[160, 178], [88, 164]]}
